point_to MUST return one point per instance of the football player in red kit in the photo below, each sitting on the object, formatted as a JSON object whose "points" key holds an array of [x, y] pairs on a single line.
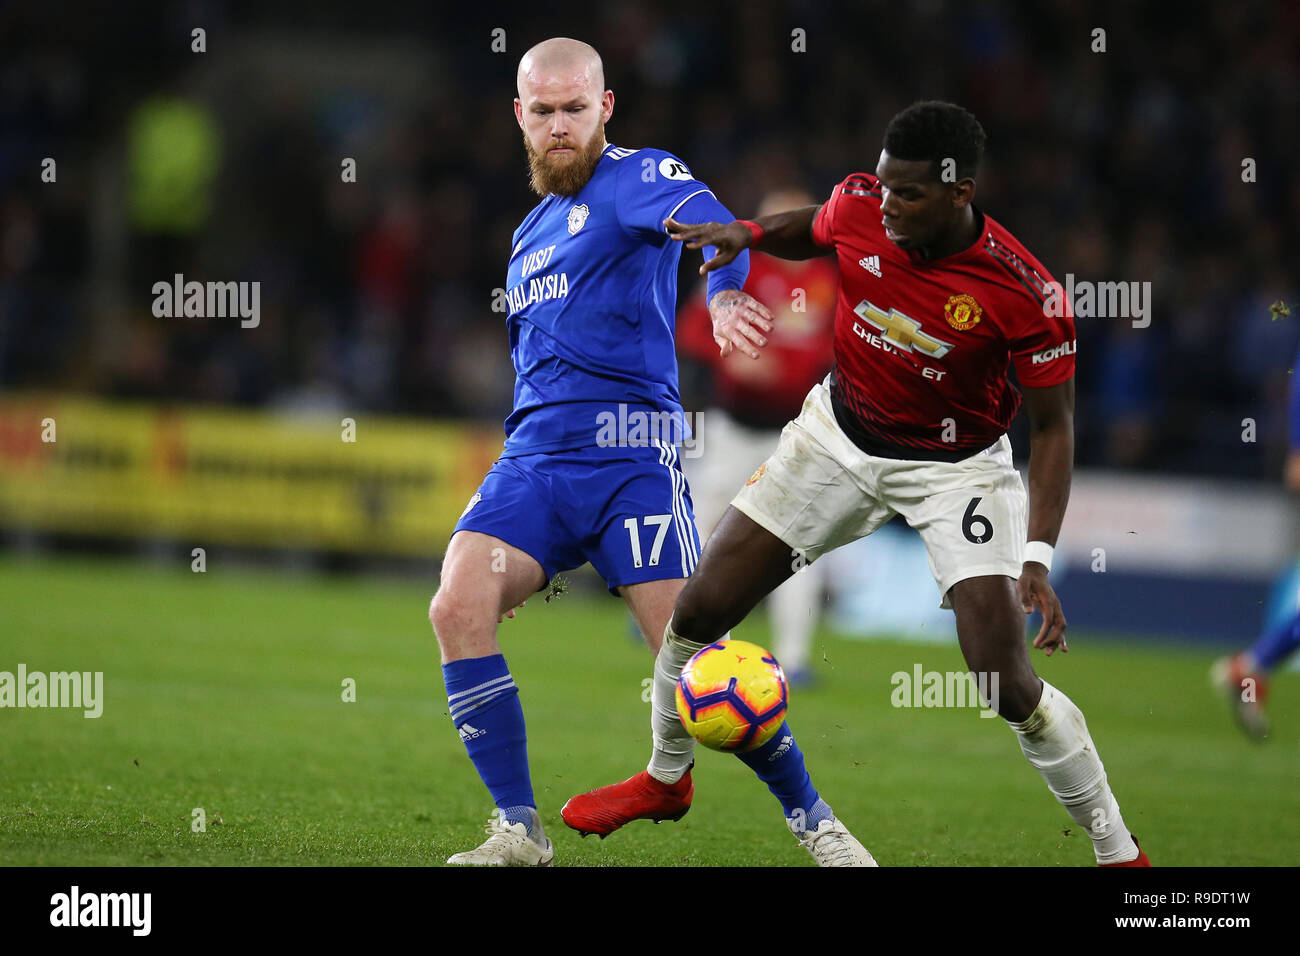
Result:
{"points": [[936, 301]]}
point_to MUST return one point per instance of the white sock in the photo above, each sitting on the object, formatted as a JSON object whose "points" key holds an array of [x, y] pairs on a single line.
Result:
{"points": [[674, 748], [795, 607], [1056, 742]]}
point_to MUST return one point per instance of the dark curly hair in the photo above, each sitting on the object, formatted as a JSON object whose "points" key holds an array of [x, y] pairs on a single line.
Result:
{"points": [[934, 130]]}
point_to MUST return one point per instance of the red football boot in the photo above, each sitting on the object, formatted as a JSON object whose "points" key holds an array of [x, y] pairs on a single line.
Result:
{"points": [[605, 809], [1141, 859]]}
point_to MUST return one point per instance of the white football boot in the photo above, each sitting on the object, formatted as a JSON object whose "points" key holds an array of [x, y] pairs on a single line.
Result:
{"points": [[831, 844], [508, 844]]}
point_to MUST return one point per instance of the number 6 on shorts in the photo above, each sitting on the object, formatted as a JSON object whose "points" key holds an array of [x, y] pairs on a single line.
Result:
{"points": [[970, 520]]}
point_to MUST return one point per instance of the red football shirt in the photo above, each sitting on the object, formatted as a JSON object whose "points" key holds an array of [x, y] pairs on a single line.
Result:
{"points": [[922, 349], [769, 392]]}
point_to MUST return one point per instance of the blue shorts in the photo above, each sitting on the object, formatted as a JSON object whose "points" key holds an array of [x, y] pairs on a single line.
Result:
{"points": [[627, 510]]}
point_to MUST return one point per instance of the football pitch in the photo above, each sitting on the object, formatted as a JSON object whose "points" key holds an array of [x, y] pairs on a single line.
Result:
{"points": [[224, 693]]}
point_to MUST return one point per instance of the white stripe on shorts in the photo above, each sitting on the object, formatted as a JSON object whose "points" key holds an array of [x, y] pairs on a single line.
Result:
{"points": [[668, 458], [665, 459]]}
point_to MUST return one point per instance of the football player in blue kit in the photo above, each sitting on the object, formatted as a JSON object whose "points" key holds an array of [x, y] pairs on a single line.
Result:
{"points": [[590, 469], [1244, 677]]}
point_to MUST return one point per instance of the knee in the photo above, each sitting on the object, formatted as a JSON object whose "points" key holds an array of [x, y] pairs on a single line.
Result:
{"points": [[694, 619], [450, 616], [1017, 694], [439, 610], [1008, 681]]}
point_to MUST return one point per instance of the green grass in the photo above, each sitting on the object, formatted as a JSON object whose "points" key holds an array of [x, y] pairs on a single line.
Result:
{"points": [[223, 691]]}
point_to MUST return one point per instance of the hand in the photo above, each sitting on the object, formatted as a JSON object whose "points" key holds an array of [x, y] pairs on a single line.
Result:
{"points": [[510, 613], [1034, 593], [731, 239], [737, 320]]}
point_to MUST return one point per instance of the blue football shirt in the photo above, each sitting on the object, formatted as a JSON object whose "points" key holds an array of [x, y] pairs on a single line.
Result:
{"points": [[591, 293]]}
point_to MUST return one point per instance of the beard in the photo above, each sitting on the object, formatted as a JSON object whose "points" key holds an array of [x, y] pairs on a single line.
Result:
{"points": [[564, 176]]}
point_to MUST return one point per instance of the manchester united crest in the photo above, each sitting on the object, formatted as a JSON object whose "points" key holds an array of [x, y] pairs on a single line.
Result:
{"points": [[962, 312]]}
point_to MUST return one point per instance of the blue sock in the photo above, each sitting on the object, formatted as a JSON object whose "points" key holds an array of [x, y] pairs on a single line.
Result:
{"points": [[484, 705], [1277, 643], [779, 764]]}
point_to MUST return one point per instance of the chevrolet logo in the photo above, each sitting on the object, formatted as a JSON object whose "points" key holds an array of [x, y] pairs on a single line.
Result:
{"points": [[902, 332]]}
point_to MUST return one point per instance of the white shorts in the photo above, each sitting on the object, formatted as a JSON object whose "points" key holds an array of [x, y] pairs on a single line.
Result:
{"points": [[818, 491]]}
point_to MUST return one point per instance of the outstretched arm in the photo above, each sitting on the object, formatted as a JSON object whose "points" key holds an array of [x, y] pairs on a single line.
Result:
{"points": [[787, 235], [740, 322]]}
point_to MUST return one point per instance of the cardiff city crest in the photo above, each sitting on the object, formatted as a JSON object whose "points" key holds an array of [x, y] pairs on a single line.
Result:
{"points": [[577, 218]]}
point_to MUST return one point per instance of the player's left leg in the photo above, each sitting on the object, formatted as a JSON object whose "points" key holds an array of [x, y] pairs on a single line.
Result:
{"points": [[1051, 730], [972, 517]]}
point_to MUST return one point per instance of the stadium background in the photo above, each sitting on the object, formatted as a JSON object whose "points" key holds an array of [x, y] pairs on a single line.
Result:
{"points": [[376, 295]]}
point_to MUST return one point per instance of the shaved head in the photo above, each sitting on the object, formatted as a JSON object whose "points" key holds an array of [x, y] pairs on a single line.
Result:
{"points": [[561, 57], [562, 109]]}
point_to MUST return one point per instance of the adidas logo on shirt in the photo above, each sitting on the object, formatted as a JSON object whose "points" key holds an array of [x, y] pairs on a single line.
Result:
{"points": [[468, 732], [871, 264]]}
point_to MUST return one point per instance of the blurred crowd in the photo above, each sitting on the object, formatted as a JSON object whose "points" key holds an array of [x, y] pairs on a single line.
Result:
{"points": [[377, 295]]}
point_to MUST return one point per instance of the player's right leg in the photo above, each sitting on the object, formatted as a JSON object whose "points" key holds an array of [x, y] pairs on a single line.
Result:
{"points": [[794, 609], [483, 577], [730, 453], [803, 502], [741, 564], [506, 545]]}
